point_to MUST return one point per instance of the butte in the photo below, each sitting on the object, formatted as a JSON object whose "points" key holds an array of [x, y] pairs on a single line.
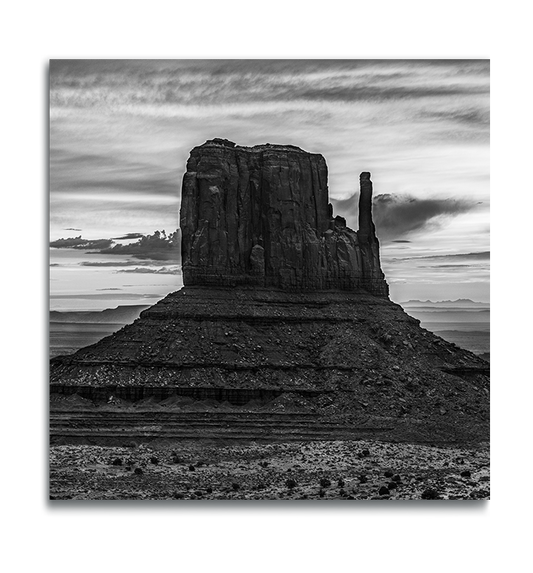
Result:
{"points": [[283, 330]]}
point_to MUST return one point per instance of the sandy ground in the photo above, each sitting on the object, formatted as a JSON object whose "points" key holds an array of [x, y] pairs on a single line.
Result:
{"points": [[351, 470]]}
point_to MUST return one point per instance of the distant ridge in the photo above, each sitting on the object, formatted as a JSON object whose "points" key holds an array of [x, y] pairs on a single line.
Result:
{"points": [[454, 303], [119, 315]]}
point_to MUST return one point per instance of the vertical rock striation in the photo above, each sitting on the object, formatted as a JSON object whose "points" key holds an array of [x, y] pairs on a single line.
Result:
{"points": [[260, 216]]}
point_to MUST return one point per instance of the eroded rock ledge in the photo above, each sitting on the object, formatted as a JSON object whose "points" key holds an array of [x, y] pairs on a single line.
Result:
{"points": [[260, 216]]}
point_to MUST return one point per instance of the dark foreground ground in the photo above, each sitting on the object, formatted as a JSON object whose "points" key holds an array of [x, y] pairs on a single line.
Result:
{"points": [[149, 459], [344, 469]]}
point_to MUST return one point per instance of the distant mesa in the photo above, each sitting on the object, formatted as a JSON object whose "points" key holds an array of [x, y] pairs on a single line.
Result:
{"points": [[119, 315]]}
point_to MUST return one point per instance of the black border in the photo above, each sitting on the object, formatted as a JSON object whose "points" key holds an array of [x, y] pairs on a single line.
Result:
{"points": [[199, 510]]}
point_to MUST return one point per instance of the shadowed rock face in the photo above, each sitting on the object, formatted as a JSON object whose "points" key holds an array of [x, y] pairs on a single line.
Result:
{"points": [[260, 216]]}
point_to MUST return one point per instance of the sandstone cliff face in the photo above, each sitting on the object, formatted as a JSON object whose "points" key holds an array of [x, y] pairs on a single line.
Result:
{"points": [[260, 216]]}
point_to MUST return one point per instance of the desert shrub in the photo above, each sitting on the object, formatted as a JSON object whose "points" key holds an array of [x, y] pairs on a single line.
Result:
{"points": [[291, 483]]}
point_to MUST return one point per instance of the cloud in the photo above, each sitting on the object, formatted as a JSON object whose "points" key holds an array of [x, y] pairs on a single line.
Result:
{"points": [[109, 263], [138, 84], [75, 171], [173, 270], [79, 243], [396, 216], [475, 117], [105, 296], [458, 269], [399, 215], [157, 247], [445, 266], [128, 236], [480, 256]]}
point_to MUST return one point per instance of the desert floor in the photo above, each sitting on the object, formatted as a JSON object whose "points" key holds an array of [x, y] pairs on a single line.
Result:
{"points": [[322, 470]]}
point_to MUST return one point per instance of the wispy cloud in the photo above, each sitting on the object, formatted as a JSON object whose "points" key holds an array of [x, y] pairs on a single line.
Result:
{"points": [[440, 276], [79, 243], [172, 270], [72, 171], [105, 296], [480, 256], [474, 116], [208, 82], [128, 263]]}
